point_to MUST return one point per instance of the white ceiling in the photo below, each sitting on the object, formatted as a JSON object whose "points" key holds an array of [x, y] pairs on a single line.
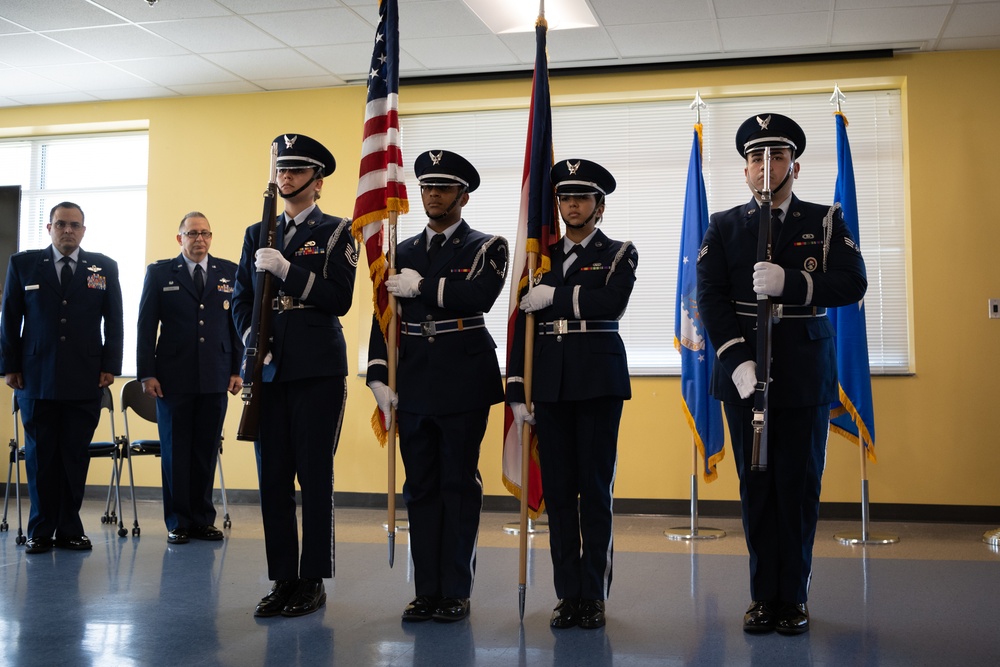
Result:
{"points": [[61, 51]]}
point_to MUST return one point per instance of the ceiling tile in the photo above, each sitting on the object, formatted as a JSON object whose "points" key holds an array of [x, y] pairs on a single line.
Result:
{"points": [[231, 88], [266, 6], [315, 28], [461, 53], [215, 35], [617, 12], [881, 26], [117, 42], [351, 61], [91, 77], [295, 83], [56, 15], [271, 64], [139, 11], [755, 33], [7, 28], [973, 20], [69, 97], [725, 9], [438, 20], [582, 44], [665, 39], [16, 82], [176, 70], [27, 49], [134, 93]]}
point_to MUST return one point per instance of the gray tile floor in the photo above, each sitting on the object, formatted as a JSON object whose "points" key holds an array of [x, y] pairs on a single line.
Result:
{"points": [[931, 599]]}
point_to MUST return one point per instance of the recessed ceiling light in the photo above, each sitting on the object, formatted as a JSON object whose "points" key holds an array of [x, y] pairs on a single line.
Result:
{"points": [[519, 15]]}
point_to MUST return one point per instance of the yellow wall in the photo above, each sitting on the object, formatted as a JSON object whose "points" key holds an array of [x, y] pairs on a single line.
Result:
{"points": [[936, 442]]}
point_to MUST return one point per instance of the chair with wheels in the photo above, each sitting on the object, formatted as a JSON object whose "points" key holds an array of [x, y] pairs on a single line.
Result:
{"points": [[111, 449], [134, 400], [16, 456]]}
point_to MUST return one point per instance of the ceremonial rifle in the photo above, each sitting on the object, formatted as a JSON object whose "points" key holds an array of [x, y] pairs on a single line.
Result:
{"points": [[258, 341], [758, 461]]}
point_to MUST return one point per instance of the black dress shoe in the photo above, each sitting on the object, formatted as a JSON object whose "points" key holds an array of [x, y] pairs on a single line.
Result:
{"points": [[309, 596], [178, 536], [590, 614], [421, 609], [272, 603], [38, 545], [565, 615], [75, 543], [449, 610], [759, 618], [210, 533], [793, 620]]}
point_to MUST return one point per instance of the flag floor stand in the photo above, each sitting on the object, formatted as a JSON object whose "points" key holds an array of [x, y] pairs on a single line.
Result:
{"points": [[534, 527], [694, 532], [400, 525], [865, 537], [992, 537]]}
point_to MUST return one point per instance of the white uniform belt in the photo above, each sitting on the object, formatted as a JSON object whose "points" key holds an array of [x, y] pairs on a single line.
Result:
{"points": [[559, 327], [780, 310], [435, 327]]}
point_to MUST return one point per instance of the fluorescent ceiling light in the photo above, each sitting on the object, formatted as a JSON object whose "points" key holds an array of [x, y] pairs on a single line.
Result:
{"points": [[519, 15]]}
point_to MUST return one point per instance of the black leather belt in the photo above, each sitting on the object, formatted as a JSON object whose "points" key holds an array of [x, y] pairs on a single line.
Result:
{"points": [[559, 327], [283, 303], [435, 327], [780, 310]]}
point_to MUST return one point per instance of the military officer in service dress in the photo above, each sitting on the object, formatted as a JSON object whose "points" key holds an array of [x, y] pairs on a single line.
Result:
{"points": [[304, 385], [187, 357], [815, 265], [62, 338], [448, 377], [580, 382]]}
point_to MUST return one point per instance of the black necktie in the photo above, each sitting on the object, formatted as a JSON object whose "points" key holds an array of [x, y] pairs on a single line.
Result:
{"points": [[574, 250], [289, 230], [65, 274], [436, 242], [199, 279]]}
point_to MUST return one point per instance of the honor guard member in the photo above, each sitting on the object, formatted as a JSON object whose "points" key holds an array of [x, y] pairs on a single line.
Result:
{"points": [[305, 380], [815, 265], [188, 368], [580, 382], [448, 377], [61, 338]]}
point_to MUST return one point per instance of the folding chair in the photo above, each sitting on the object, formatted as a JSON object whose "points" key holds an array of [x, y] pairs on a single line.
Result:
{"points": [[16, 456], [134, 399], [111, 449]]}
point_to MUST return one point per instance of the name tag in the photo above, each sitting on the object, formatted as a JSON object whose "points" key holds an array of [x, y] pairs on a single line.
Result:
{"points": [[172, 289], [28, 288]]}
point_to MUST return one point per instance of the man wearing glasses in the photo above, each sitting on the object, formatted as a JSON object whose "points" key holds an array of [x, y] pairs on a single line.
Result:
{"points": [[61, 339], [188, 369]]}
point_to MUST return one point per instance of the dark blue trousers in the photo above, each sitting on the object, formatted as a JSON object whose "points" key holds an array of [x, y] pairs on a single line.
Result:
{"points": [[578, 454], [190, 426], [444, 498], [57, 435], [299, 429], [780, 506]]}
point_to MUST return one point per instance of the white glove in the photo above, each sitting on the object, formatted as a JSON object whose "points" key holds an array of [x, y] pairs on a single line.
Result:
{"points": [[768, 279], [521, 415], [386, 399], [745, 378], [272, 261], [405, 284], [538, 297]]}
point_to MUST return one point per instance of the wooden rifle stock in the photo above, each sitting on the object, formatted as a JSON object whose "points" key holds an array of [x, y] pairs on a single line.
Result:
{"points": [[259, 339], [758, 460]]}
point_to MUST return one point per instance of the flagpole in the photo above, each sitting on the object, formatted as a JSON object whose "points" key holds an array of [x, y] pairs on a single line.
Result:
{"points": [[692, 532], [391, 336], [529, 356], [864, 537]]}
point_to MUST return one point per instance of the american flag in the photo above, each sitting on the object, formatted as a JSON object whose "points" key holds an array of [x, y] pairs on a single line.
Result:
{"points": [[537, 229], [381, 188]]}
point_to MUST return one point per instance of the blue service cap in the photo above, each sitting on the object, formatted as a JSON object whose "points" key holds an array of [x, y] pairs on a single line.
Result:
{"points": [[445, 168], [298, 150], [770, 129], [582, 177]]}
